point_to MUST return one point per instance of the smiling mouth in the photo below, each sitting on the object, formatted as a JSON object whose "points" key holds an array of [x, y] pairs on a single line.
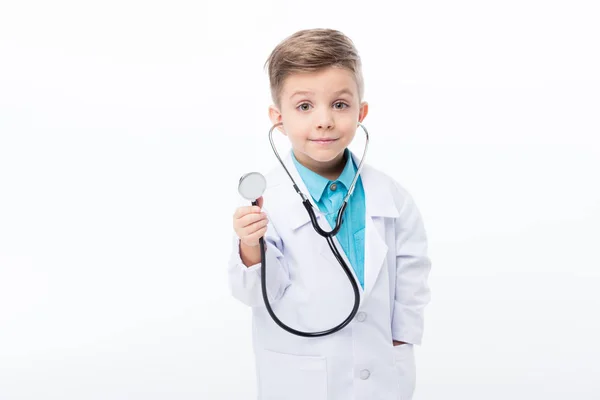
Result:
{"points": [[323, 140]]}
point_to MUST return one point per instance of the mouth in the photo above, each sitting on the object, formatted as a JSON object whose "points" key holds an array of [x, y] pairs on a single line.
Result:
{"points": [[323, 141]]}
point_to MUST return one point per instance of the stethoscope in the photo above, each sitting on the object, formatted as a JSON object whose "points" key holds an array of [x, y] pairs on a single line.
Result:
{"points": [[252, 185]]}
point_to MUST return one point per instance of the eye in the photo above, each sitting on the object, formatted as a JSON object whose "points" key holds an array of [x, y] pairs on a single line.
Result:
{"points": [[340, 105], [303, 107]]}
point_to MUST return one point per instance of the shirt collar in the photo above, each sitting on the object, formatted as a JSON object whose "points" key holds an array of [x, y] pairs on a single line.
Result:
{"points": [[316, 183]]}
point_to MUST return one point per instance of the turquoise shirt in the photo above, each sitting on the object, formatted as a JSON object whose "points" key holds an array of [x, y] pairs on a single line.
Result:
{"points": [[329, 196]]}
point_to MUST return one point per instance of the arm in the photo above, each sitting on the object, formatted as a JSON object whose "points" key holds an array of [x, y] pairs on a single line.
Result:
{"points": [[412, 270], [245, 281]]}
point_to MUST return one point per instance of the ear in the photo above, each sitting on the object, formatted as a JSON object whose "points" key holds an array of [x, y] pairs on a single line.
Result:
{"points": [[275, 117], [364, 110]]}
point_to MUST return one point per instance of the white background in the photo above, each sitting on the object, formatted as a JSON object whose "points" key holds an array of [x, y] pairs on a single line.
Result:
{"points": [[125, 126]]}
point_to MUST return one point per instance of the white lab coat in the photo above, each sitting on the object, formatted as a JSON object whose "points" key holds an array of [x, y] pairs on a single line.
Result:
{"points": [[309, 291]]}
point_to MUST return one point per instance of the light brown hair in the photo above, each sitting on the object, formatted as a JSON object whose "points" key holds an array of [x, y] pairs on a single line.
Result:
{"points": [[311, 50]]}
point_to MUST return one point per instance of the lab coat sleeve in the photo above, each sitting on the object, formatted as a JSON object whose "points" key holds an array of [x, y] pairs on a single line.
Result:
{"points": [[245, 282], [412, 271]]}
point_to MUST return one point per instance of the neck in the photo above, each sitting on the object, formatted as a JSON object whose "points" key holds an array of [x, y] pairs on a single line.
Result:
{"points": [[330, 169]]}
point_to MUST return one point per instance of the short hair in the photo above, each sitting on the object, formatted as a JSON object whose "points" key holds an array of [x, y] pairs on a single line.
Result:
{"points": [[310, 50]]}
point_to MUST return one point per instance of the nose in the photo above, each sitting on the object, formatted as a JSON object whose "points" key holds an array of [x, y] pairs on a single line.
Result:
{"points": [[325, 120]]}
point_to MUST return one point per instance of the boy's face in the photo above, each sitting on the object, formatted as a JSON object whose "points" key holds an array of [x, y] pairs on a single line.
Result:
{"points": [[320, 112]]}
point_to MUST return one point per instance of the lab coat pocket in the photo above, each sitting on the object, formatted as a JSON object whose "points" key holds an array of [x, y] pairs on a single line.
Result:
{"points": [[292, 377], [404, 360]]}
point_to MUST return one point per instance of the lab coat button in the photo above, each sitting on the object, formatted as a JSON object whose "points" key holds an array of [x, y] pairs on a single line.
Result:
{"points": [[361, 316], [364, 374], [333, 186]]}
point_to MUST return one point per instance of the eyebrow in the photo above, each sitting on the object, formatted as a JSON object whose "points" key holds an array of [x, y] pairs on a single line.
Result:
{"points": [[307, 92]]}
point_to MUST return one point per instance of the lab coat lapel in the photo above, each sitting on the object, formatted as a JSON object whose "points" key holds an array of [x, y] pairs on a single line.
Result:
{"points": [[378, 204], [298, 217]]}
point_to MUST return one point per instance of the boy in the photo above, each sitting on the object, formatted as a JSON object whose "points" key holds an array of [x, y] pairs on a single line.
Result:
{"points": [[317, 88]]}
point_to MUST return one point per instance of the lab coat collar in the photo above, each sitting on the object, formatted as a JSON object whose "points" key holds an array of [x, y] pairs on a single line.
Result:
{"points": [[379, 201], [316, 183]]}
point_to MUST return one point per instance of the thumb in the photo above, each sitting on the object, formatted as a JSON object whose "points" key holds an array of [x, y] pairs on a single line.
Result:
{"points": [[258, 202]]}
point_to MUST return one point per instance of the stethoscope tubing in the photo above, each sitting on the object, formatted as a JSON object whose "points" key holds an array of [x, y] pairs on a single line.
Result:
{"points": [[327, 235]]}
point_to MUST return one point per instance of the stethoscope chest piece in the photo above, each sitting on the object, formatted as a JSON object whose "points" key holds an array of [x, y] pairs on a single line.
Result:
{"points": [[252, 185]]}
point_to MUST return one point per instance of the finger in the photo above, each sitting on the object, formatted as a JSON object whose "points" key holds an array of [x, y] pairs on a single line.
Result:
{"points": [[250, 219], [239, 224], [258, 234], [260, 202], [242, 211], [255, 227]]}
